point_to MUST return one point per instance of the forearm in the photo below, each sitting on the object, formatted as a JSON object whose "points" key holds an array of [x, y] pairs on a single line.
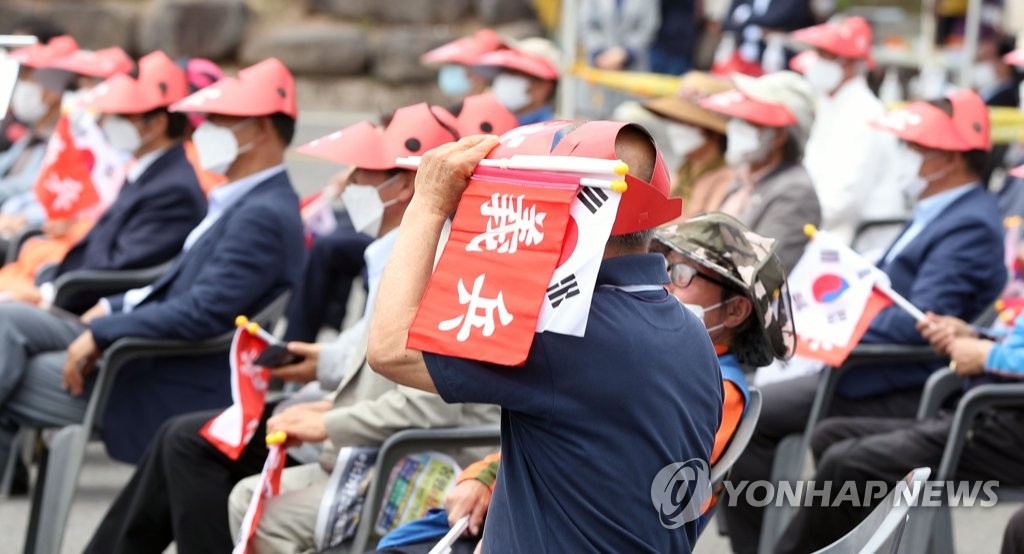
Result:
{"points": [[401, 288]]}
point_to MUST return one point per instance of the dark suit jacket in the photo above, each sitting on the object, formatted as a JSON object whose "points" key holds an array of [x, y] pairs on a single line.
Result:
{"points": [[954, 267], [145, 226], [249, 257]]}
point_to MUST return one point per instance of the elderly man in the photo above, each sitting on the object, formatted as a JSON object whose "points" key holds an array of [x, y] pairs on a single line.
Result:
{"points": [[772, 193], [556, 406], [949, 260]]}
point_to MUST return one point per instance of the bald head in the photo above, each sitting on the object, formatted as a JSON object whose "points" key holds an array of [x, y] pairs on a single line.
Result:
{"points": [[635, 147]]}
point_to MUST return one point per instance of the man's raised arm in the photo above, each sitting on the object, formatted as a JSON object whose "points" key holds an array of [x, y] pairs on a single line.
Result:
{"points": [[442, 177]]}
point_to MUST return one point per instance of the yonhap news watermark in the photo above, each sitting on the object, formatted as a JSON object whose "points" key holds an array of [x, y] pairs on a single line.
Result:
{"points": [[681, 491]]}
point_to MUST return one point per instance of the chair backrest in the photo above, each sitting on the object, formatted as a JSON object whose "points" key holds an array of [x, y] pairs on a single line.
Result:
{"points": [[882, 530], [740, 439]]}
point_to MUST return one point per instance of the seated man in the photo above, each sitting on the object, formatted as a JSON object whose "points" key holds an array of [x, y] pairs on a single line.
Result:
{"points": [[181, 489], [858, 450], [727, 276], [948, 260], [161, 201], [244, 254], [615, 405], [526, 78]]}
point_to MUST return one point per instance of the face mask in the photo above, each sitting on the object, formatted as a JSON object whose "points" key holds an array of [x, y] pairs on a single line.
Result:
{"points": [[984, 76], [364, 206], [699, 311], [453, 81], [746, 143], [511, 91], [27, 103], [217, 146], [912, 182], [122, 134], [824, 76], [683, 139]]}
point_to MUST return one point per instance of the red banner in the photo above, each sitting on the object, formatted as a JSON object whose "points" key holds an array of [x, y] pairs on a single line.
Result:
{"points": [[484, 298], [268, 486], [64, 186], [231, 431]]}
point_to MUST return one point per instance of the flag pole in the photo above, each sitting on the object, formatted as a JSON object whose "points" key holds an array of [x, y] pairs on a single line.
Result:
{"points": [[569, 164], [897, 298]]}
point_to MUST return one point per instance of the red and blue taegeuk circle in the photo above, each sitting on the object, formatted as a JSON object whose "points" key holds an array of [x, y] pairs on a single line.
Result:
{"points": [[829, 287]]}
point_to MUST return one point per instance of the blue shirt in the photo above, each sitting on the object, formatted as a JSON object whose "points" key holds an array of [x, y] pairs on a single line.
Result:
{"points": [[588, 422], [925, 212], [543, 113]]}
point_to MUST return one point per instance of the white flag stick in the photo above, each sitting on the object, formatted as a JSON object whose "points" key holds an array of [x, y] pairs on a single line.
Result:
{"points": [[900, 301], [444, 546], [254, 328], [568, 164]]}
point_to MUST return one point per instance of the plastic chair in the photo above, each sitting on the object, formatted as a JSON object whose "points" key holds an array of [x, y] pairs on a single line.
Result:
{"points": [[60, 468], [104, 282], [882, 231], [17, 241], [788, 464], [882, 530], [932, 529], [398, 446]]}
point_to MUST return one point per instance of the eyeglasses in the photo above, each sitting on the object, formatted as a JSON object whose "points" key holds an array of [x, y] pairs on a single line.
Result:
{"points": [[682, 275]]}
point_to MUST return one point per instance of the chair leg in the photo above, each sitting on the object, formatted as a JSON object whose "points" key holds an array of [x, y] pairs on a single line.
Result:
{"points": [[929, 530], [12, 463], [788, 464], [67, 452], [37, 502]]}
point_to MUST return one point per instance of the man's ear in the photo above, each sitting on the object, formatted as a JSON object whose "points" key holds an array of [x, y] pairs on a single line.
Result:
{"points": [[737, 309]]}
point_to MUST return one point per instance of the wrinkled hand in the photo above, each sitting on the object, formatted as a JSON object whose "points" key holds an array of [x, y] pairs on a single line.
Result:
{"points": [[472, 498], [302, 423], [299, 372], [93, 314], [612, 59], [969, 356], [940, 331], [444, 172], [81, 361]]}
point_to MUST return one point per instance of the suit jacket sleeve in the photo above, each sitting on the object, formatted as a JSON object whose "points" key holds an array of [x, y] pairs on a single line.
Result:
{"points": [[952, 275], [373, 421], [239, 272], [155, 233]]}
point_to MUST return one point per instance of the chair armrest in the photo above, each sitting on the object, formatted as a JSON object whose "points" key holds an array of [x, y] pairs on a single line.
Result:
{"points": [[104, 282], [975, 401], [872, 223], [19, 240], [870, 354], [940, 387]]}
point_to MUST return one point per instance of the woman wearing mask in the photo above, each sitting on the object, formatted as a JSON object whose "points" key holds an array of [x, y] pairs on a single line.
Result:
{"points": [[772, 193], [697, 136]]}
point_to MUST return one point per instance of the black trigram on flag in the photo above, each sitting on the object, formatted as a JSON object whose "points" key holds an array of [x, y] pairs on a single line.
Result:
{"points": [[830, 256], [563, 290], [593, 198], [837, 316]]}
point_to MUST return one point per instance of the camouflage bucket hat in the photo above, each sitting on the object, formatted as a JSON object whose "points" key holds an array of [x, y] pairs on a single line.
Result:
{"points": [[747, 261]]}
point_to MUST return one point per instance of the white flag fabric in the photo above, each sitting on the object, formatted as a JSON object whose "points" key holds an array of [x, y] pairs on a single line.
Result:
{"points": [[567, 305], [108, 170], [830, 287]]}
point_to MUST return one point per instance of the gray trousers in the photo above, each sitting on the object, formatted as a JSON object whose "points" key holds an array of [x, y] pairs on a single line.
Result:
{"points": [[33, 344]]}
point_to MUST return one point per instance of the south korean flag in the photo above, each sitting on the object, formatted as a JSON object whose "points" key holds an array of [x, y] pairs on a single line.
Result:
{"points": [[567, 306]]}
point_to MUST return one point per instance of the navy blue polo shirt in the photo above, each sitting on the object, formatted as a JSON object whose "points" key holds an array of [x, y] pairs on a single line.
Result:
{"points": [[589, 422]]}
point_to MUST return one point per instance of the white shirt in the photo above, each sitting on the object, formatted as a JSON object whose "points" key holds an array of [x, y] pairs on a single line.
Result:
{"points": [[852, 165], [221, 199], [142, 164]]}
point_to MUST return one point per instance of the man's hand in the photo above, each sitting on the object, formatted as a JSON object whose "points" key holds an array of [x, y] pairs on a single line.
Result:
{"points": [[969, 356], [612, 59], [940, 331], [94, 313], [300, 372], [82, 356], [444, 172], [57, 228], [468, 498], [302, 423]]}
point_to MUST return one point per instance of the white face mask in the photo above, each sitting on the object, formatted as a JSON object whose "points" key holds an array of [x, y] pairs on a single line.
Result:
{"points": [[912, 182], [747, 144], [217, 146], [122, 134], [512, 91], [824, 76], [364, 206], [699, 311], [984, 76], [27, 103], [683, 139]]}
